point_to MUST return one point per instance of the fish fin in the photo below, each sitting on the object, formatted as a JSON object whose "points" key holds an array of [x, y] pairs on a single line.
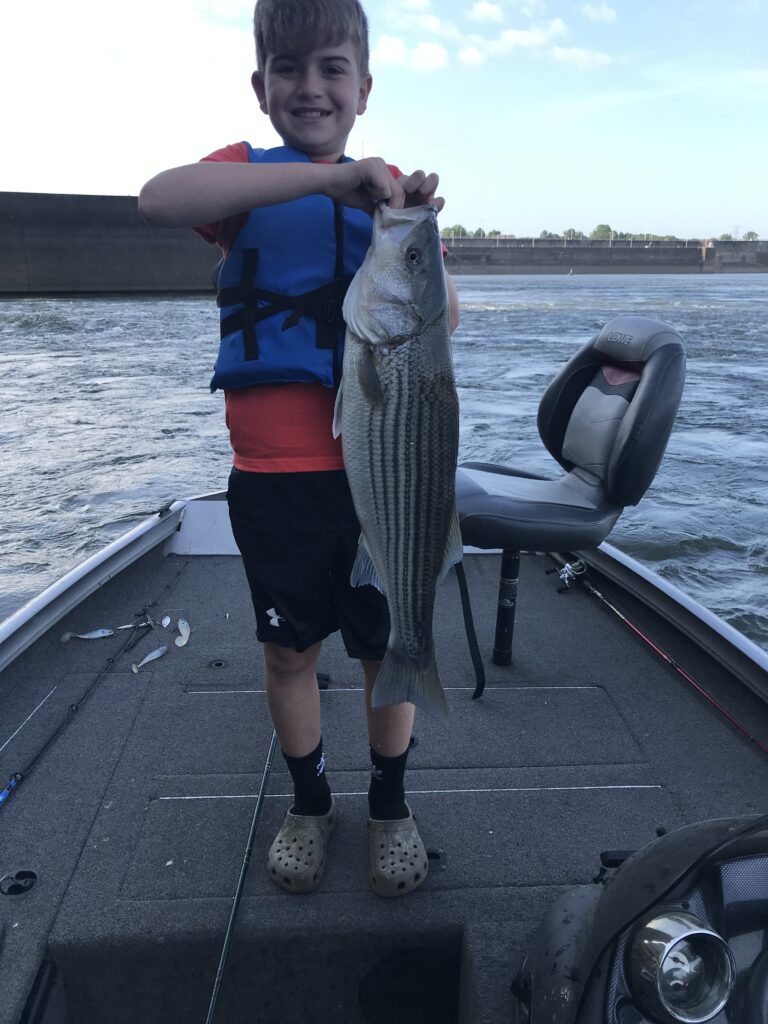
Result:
{"points": [[401, 678], [364, 571], [454, 547], [368, 376], [336, 427]]}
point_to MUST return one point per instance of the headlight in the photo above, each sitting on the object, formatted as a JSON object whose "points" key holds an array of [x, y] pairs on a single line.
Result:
{"points": [[679, 969]]}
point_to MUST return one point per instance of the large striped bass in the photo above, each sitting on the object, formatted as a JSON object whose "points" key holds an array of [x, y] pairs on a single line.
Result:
{"points": [[399, 418]]}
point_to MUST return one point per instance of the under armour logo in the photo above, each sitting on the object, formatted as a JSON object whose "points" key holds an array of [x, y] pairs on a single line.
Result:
{"points": [[274, 618], [376, 772]]}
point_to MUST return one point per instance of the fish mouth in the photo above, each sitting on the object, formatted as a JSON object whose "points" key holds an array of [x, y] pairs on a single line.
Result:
{"points": [[407, 215]]}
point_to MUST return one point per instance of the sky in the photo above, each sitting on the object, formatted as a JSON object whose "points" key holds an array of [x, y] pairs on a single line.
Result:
{"points": [[537, 114]]}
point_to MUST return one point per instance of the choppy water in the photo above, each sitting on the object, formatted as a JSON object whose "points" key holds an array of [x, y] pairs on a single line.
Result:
{"points": [[106, 415]]}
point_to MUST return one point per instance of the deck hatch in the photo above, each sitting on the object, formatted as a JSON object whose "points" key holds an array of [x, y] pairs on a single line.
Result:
{"points": [[191, 849], [534, 726]]}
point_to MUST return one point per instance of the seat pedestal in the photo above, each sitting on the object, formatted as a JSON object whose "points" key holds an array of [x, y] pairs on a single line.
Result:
{"points": [[505, 610]]}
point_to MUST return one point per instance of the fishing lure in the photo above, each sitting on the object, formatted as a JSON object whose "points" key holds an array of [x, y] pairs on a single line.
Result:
{"points": [[184, 630], [98, 634], [95, 634], [152, 656]]}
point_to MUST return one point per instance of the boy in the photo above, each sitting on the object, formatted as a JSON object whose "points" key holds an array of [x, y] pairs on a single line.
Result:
{"points": [[294, 224]]}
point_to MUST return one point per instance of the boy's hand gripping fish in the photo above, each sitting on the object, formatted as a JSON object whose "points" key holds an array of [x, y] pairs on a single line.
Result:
{"points": [[399, 420]]}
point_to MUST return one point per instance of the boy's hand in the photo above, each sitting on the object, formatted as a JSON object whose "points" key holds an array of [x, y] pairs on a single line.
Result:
{"points": [[363, 183], [419, 188]]}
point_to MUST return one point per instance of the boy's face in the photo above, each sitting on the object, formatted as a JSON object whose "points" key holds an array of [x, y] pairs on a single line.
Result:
{"points": [[312, 100]]}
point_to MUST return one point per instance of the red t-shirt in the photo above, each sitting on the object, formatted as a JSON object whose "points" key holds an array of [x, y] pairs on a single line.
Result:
{"points": [[275, 428]]}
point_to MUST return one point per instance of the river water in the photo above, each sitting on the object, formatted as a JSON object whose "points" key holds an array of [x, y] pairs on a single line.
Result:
{"points": [[106, 415]]}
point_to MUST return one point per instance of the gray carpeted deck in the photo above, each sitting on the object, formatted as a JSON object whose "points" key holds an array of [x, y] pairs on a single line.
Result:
{"points": [[136, 818]]}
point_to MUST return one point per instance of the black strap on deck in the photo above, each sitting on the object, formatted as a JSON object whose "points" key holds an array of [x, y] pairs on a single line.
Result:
{"points": [[469, 626]]}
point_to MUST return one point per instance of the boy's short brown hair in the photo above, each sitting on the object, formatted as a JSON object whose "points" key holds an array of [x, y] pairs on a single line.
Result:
{"points": [[300, 26]]}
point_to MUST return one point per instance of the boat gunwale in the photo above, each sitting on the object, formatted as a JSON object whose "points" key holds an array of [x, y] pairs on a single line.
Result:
{"points": [[739, 655], [26, 625]]}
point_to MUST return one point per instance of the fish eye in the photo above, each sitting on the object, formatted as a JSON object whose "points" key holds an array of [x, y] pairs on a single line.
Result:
{"points": [[414, 256]]}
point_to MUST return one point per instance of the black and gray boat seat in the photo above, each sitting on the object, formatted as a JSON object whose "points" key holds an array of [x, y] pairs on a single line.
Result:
{"points": [[606, 418]]}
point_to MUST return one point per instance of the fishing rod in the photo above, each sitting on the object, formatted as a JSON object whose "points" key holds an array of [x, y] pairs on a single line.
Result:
{"points": [[143, 618], [18, 777], [591, 589], [241, 880]]}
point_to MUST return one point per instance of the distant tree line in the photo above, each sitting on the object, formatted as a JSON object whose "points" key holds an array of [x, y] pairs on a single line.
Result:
{"points": [[602, 233]]}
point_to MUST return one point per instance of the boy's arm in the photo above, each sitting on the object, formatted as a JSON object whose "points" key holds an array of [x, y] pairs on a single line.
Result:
{"points": [[205, 192]]}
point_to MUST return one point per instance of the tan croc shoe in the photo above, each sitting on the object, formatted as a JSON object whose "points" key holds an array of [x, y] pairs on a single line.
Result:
{"points": [[398, 860], [296, 858]]}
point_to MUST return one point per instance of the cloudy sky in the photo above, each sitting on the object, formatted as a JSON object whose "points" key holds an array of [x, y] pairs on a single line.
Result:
{"points": [[648, 115]]}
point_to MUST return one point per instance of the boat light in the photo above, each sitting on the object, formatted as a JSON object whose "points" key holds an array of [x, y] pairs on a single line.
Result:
{"points": [[679, 969]]}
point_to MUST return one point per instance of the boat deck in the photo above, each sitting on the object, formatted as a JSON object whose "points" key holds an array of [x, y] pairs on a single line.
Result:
{"points": [[135, 819]]}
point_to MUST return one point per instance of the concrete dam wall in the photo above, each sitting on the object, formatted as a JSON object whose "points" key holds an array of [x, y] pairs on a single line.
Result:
{"points": [[64, 244], [70, 244], [538, 256]]}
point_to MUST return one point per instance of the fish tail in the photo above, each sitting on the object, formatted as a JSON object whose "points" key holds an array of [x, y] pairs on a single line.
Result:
{"points": [[403, 677]]}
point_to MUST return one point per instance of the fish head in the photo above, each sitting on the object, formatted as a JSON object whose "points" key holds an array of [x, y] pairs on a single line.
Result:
{"points": [[400, 288]]}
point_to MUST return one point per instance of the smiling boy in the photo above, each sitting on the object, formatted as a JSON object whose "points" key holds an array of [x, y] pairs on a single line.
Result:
{"points": [[294, 224]]}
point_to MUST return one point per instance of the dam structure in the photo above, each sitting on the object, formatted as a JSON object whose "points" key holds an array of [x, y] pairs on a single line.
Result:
{"points": [[587, 256], [79, 244]]}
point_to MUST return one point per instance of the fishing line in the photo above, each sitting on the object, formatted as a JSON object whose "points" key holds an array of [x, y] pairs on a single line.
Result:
{"points": [[678, 668], [241, 879]]}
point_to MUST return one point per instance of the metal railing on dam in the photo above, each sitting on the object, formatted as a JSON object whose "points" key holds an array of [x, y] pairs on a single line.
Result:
{"points": [[77, 244]]}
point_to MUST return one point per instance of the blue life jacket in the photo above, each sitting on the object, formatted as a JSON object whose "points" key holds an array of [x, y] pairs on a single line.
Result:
{"points": [[281, 288]]}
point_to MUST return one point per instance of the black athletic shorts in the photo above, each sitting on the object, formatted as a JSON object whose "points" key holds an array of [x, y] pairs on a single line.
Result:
{"points": [[298, 535]]}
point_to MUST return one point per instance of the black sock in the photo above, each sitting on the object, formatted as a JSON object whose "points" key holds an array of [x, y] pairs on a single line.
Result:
{"points": [[386, 795], [311, 792]]}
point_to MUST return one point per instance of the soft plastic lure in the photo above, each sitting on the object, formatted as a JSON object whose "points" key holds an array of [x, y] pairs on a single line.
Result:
{"points": [[184, 630], [95, 634], [152, 656]]}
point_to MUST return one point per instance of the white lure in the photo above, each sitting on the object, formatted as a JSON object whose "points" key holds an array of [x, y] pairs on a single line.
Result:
{"points": [[95, 634], [184, 630], [152, 656]]}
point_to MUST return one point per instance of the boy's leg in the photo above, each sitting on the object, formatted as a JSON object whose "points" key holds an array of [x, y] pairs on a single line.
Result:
{"points": [[296, 858], [293, 697], [398, 862], [280, 523], [389, 734], [389, 728], [294, 704]]}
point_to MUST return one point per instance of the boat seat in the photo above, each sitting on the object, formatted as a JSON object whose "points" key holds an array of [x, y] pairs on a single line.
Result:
{"points": [[606, 419]]}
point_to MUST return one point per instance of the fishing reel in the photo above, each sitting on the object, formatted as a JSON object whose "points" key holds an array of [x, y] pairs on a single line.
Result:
{"points": [[567, 573]]}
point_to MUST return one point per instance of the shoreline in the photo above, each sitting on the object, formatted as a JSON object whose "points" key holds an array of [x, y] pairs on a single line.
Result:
{"points": [[201, 291]]}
